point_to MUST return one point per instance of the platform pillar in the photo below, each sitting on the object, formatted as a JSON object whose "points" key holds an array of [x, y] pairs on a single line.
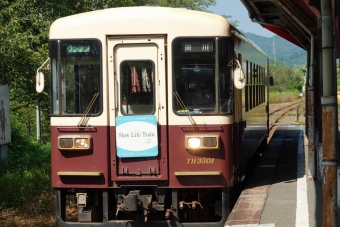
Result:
{"points": [[310, 133]]}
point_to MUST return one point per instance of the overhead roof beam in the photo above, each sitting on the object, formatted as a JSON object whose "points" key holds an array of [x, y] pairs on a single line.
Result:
{"points": [[299, 12], [276, 14], [269, 11], [291, 14], [295, 30], [252, 10]]}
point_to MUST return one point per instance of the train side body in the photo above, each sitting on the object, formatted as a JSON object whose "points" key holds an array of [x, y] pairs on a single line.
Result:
{"points": [[253, 99], [146, 125]]}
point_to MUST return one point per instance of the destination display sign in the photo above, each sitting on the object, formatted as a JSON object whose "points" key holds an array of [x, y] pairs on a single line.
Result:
{"points": [[136, 136], [197, 47], [78, 49]]}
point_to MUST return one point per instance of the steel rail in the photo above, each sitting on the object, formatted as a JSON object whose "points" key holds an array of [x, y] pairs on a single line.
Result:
{"points": [[285, 109]]}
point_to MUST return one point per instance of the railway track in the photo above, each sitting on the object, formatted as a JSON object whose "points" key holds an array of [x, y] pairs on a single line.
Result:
{"points": [[293, 111]]}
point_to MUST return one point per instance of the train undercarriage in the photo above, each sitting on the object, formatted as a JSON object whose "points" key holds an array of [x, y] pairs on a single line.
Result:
{"points": [[147, 206]]}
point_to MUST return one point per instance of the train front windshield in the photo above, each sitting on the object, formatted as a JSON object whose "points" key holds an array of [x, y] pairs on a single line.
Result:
{"points": [[76, 77], [202, 73]]}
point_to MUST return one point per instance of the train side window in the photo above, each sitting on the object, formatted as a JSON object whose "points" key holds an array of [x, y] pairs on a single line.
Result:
{"points": [[251, 86], [247, 87], [137, 87], [263, 85], [253, 75], [256, 78], [260, 85]]}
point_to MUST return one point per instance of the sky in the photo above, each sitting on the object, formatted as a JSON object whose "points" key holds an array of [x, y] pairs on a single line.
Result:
{"points": [[238, 11]]}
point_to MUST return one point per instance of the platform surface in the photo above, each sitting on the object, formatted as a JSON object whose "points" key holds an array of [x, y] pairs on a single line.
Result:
{"points": [[278, 193]]}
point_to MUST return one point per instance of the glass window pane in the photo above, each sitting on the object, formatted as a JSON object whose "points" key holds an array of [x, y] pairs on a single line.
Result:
{"points": [[137, 87], [225, 77], [82, 83], [54, 87], [80, 76], [194, 76]]}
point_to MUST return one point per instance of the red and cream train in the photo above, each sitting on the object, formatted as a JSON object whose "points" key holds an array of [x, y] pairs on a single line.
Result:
{"points": [[155, 114]]}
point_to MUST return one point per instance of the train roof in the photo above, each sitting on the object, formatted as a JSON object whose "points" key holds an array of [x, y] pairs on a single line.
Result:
{"points": [[244, 37], [132, 20]]}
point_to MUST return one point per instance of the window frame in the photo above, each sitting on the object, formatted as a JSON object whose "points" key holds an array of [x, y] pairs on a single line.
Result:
{"points": [[153, 87], [215, 67], [56, 99]]}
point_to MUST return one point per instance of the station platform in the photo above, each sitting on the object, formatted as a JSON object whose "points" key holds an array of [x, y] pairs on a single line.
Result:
{"points": [[278, 193]]}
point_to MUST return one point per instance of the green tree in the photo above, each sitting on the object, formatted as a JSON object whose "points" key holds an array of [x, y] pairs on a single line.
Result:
{"points": [[233, 22], [24, 26], [286, 79], [338, 74], [200, 5]]}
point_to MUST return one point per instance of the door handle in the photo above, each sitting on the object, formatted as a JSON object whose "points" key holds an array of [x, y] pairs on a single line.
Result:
{"points": [[116, 94]]}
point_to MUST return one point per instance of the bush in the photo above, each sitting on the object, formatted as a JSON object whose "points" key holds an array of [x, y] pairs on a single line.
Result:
{"points": [[23, 187], [286, 79], [282, 97], [26, 173]]}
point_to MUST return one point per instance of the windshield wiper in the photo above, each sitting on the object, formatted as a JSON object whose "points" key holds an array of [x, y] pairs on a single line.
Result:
{"points": [[85, 118], [187, 113]]}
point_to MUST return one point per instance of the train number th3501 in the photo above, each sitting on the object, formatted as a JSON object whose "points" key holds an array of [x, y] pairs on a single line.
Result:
{"points": [[200, 160]]}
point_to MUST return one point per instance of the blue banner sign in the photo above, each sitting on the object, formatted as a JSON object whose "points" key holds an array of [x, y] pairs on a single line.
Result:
{"points": [[136, 136]]}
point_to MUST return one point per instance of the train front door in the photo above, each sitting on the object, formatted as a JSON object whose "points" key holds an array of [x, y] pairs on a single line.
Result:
{"points": [[137, 109]]}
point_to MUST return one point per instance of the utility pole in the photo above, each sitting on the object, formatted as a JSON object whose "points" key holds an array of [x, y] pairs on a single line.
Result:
{"points": [[274, 51], [38, 121]]}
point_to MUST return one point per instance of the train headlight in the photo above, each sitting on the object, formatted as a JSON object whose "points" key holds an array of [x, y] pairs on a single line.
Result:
{"points": [[74, 142], [210, 142], [65, 143], [202, 142], [82, 143], [193, 142]]}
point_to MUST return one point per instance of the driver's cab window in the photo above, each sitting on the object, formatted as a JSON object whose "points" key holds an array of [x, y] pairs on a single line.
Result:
{"points": [[194, 76], [196, 87], [137, 87], [202, 76], [76, 83]]}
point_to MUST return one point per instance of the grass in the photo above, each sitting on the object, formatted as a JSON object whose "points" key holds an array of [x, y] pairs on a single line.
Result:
{"points": [[280, 99], [41, 213], [283, 97], [27, 198]]}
